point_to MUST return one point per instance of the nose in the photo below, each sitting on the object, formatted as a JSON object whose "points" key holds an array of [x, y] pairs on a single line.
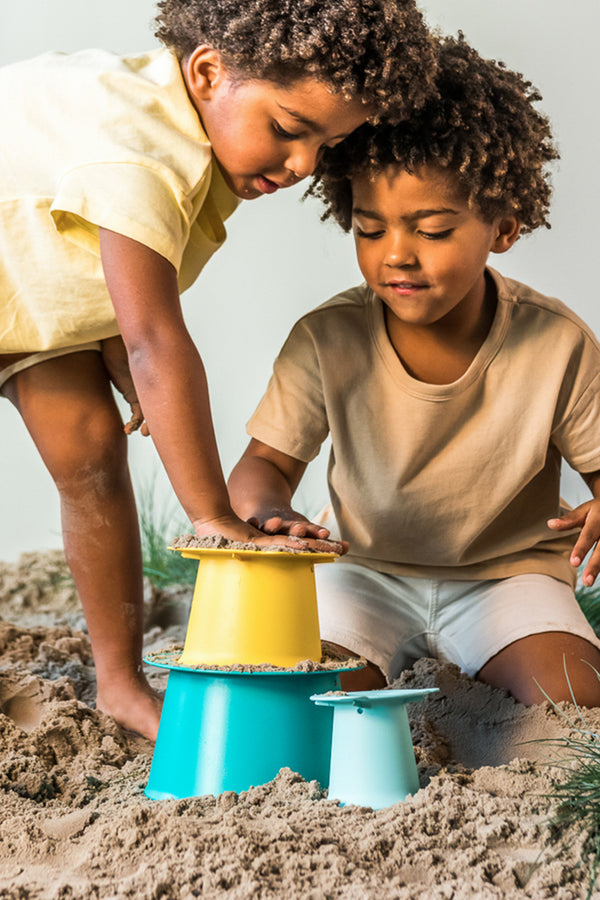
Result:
{"points": [[303, 159], [399, 251]]}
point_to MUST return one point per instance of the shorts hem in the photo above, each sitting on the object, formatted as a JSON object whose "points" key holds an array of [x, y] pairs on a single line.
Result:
{"points": [[521, 633], [36, 358]]}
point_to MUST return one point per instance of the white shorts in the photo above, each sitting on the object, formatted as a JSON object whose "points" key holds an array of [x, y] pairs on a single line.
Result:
{"points": [[25, 362], [393, 621]]}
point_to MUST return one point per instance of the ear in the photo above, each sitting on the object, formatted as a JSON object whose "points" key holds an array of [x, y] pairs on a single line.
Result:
{"points": [[203, 70], [508, 230]]}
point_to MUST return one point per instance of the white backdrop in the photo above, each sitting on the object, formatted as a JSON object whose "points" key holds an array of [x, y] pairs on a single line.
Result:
{"points": [[279, 260]]}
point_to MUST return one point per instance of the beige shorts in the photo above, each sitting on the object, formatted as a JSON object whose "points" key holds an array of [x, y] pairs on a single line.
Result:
{"points": [[8, 368], [393, 621]]}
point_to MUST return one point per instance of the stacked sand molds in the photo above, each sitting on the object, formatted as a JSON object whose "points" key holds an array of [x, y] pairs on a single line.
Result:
{"points": [[225, 727]]}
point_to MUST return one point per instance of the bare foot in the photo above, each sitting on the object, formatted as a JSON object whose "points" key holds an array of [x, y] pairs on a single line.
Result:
{"points": [[133, 704]]}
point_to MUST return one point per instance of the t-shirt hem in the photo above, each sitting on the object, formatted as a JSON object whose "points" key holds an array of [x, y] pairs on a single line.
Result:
{"points": [[556, 567]]}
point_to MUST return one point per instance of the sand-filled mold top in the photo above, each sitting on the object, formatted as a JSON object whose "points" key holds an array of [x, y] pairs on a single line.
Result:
{"points": [[318, 549], [330, 661]]}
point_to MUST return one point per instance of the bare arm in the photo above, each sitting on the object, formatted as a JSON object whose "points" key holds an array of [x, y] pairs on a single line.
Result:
{"points": [[261, 487], [587, 517], [170, 381]]}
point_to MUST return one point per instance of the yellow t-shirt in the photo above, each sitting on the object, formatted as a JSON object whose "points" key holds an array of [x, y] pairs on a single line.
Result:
{"points": [[449, 481], [93, 140]]}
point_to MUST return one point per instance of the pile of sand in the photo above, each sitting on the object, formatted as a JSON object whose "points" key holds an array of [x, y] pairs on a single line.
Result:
{"points": [[76, 824]]}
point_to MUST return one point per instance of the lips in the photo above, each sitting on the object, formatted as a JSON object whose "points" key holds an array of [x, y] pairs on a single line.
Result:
{"points": [[406, 287], [266, 186]]}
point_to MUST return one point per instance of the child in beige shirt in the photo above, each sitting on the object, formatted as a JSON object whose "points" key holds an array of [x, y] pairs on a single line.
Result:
{"points": [[451, 395]]}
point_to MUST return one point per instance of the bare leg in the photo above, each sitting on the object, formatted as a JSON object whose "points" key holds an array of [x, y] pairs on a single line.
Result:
{"points": [[68, 408], [371, 678], [543, 658]]}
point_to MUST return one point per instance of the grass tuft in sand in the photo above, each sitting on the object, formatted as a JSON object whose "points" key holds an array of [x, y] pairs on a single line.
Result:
{"points": [[576, 789]]}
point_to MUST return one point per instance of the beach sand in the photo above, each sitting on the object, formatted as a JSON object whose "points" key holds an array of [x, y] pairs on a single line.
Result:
{"points": [[74, 821]]}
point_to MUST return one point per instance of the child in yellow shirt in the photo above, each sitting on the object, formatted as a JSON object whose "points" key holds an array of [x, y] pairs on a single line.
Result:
{"points": [[451, 395], [116, 176]]}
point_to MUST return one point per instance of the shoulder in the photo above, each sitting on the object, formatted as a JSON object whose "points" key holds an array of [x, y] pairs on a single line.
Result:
{"points": [[149, 83], [537, 315], [330, 329], [348, 309]]}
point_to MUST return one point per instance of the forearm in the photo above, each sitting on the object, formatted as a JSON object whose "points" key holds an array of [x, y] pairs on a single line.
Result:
{"points": [[172, 388], [259, 489], [167, 372]]}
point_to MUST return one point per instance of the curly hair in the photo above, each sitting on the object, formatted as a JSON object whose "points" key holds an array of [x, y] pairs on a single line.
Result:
{"points": [[480, 125], [379, 50]]}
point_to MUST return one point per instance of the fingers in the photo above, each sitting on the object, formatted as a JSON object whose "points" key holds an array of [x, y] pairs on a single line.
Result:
{"points": [[326, 546], [309, 529], [307, 545], [234, 529], [586, 517], [587, 539], [575, 518], [133, 424], [294, 527], [137, 420], [274, 525]]}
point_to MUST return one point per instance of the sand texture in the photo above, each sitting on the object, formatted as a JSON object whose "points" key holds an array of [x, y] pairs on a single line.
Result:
{"points": [[218, 542], [74, 821]]}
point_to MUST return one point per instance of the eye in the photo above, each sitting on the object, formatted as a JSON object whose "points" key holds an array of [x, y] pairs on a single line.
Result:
{"points": [[368, 235], [436, 235], [282, 133]]}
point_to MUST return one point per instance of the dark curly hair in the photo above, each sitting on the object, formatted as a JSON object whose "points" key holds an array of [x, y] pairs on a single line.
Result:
{"points": [[379, 50], [480, 125]]}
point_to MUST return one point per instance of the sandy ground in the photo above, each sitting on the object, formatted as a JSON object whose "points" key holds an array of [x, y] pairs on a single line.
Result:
{"points": [[75, 822]]}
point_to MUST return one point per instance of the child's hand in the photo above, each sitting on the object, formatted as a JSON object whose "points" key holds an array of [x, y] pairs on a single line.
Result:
{"points": [[586, 517], [115, 359], [235, 529], [296, 525]]}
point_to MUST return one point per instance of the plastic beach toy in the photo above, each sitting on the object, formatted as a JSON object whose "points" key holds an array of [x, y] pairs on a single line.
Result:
{"points": [[227, 731], [252, 607], [372, 757]]}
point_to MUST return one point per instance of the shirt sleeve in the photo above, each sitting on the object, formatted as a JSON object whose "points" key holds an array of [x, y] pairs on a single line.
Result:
{"points": [[140, 202], [292, 417], [578, 434]]}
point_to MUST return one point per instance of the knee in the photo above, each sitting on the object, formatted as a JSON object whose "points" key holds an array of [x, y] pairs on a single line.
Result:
{"points": [[90, 454], [555, 666], [574, 680]]}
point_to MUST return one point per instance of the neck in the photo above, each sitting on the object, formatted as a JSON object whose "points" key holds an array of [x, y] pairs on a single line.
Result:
{"points": [[442, 352]]}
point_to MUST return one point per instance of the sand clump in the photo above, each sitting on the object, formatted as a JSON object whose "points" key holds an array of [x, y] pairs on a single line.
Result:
{"points": [[218, 542], [75, 822], [331, 660]]}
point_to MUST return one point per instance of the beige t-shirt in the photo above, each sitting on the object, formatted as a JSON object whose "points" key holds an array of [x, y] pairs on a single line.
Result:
{"points": [[93, 140], [442, 481]]}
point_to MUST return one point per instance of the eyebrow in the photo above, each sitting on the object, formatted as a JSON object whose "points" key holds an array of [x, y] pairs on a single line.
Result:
{"points": [[314, 126], [418, 213]]}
